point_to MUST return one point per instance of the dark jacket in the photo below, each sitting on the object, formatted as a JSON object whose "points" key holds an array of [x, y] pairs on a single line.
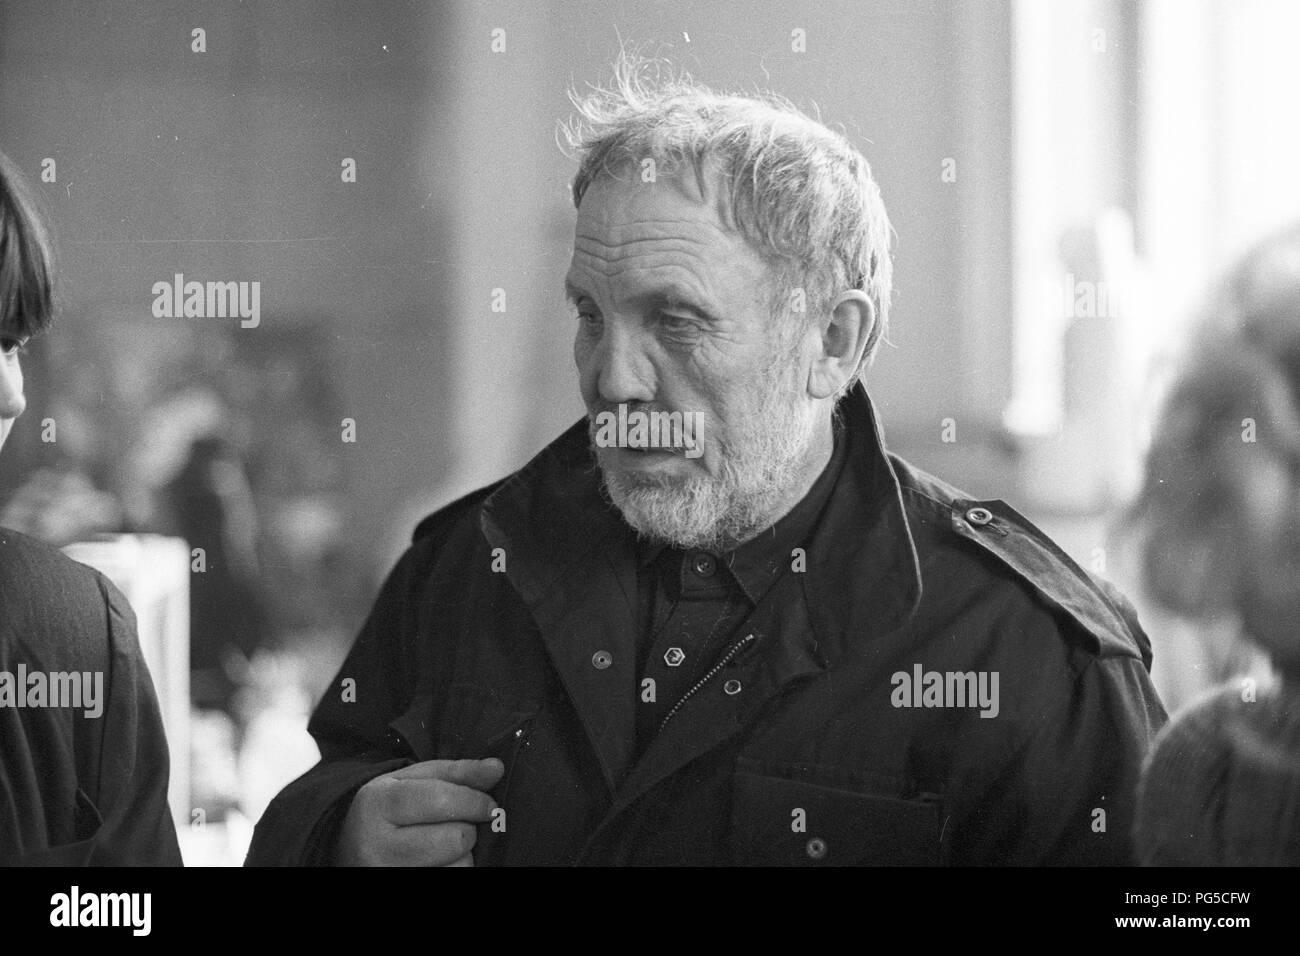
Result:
{"points": [[796, 751], [77, 788]]}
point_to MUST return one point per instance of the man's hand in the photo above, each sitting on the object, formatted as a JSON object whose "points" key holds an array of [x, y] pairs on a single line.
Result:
{"points": [[421, 815]]}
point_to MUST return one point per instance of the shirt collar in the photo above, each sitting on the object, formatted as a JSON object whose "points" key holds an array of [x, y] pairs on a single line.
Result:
{"points": [[757, 563]]}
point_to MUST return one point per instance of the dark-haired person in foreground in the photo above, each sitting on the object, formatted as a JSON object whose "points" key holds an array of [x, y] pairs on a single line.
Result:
{"points": [[772, 643], [83, 759]]}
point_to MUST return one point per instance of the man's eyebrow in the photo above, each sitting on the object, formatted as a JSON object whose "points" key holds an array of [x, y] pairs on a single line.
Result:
{"points": [[671, 297], [681, 300]]}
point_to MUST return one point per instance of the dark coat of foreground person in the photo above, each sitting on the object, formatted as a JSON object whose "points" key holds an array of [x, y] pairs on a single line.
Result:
{"points": [[797, 750], [77, 789]]}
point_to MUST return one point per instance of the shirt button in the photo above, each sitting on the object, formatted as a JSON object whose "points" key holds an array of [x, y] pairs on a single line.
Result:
{"points": [[601, 660], [704, 565], [674, 656], [731, 688], [816, 848], [979, 516]]}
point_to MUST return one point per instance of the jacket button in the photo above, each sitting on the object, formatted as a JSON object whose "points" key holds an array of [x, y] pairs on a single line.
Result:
{"points": [[601, 660], [704, 565], [816, 848], [979, 516], [731, 688]]}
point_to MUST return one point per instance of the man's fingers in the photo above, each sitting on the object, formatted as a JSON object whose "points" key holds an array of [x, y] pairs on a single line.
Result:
{"points": [[466, 860], [478, 774], [436, 844], [412, 802]]}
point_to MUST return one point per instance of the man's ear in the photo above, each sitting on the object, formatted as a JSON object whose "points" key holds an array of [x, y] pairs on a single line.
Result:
{"points": [[843, 343]]}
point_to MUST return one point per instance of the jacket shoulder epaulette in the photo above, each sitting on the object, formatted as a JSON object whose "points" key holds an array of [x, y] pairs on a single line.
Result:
{"points": [[997, 529]]}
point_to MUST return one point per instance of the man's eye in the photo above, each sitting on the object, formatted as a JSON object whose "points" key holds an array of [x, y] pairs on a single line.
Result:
{"points": [[676, 323]]}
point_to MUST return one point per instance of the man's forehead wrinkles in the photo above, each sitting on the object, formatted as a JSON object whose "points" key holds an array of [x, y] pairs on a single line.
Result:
{"points": [[643, 255], [672, 279], [625, 236], [612, 266]]}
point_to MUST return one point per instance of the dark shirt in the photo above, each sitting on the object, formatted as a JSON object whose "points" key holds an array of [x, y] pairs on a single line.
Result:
{"points": [[692, 605]]}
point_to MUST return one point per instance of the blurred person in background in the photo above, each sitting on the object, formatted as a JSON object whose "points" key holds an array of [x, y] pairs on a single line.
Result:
{"points": [[209, 501], [83, 759], [1220, 522]]}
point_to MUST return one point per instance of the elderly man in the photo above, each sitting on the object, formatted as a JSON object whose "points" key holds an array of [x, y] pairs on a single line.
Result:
{"points": [[761, 641]]}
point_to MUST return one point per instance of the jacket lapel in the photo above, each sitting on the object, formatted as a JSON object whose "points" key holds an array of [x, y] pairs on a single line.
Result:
{"points": [[864, 577], [569, 557]]}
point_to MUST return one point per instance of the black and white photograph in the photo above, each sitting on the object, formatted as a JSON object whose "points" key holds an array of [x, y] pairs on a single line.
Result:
{"points": [[650, 434]]}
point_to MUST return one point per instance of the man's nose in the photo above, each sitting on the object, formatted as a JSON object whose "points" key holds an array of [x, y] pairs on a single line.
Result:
{"points": [[12, 401], [626, 374]]}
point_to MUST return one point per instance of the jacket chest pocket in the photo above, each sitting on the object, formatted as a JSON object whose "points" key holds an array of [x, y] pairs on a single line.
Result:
{"points": [[782, 822], [468, 723]]}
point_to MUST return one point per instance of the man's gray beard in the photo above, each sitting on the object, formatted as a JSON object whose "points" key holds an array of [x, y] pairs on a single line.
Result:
{"points": [[717, 513]]}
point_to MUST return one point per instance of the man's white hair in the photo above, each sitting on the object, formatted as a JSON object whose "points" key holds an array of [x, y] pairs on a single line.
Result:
{"points": [[800, 193]]}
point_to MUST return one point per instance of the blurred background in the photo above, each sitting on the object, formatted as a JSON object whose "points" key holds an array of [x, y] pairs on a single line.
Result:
{"points": [[1065, 180]]}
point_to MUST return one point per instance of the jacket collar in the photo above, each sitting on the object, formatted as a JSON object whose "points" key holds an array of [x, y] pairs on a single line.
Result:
{"points": [[863, 577]]}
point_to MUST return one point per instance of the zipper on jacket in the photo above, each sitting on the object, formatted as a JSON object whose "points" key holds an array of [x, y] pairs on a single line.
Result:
{"points": [[732, 652]]}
